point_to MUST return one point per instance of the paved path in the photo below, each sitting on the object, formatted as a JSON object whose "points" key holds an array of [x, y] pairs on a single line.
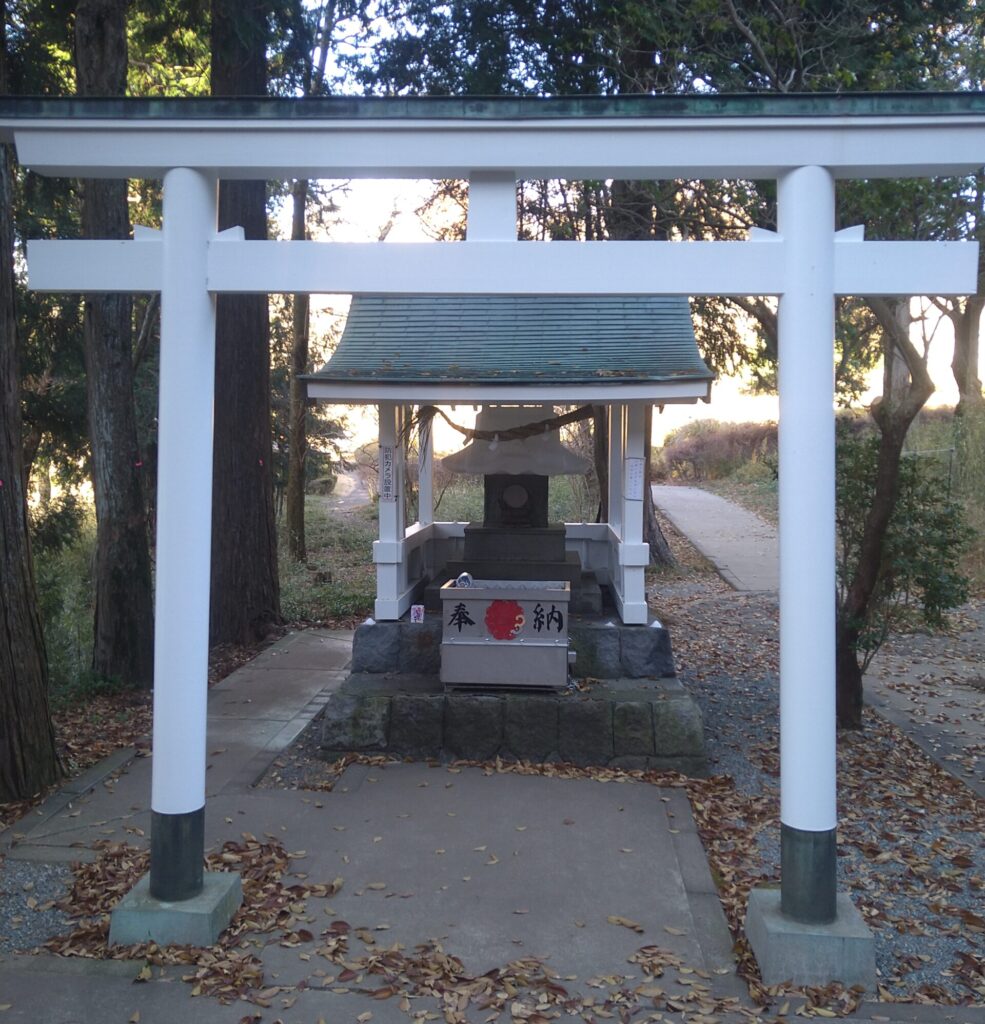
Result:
{"points": [[931, 687], [497, 867], [739, 544]]}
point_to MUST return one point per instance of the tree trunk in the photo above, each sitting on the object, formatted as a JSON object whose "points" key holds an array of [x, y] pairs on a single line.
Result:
{"points": [[245, 598], [964, 363], [600, 456], [660, 552], [28, 759], [124, 614], [893, 414], [298, 412]]}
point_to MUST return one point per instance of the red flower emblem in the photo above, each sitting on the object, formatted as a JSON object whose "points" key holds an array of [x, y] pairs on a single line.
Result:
{"points": [[504, 619]]}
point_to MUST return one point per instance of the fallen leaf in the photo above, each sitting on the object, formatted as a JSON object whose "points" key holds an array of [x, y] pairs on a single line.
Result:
{"points": [[625, 923]]}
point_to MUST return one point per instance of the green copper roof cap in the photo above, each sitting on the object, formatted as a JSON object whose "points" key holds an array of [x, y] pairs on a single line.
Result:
{"points": [[874, 104], [516, 340]]}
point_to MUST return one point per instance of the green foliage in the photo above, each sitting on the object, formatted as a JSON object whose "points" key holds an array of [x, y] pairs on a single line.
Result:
{"points": [[63, 576], [969, 438], [338, 581], [169, 48], [920, 571], [57, 525]]}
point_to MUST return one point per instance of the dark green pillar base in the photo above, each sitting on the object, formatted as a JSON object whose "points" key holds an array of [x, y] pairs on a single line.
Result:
{"points": [[808, 875], [177, 852]]}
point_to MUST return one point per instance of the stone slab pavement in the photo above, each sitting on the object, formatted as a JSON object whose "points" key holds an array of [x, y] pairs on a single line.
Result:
{"points": [[741, 546]]}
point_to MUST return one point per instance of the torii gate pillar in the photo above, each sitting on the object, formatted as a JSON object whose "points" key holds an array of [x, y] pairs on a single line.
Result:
{"points": [[806, 931], [185, 904]]}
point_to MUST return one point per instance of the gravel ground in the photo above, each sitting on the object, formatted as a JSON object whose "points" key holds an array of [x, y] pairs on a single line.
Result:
{"points": [[27, 891], [910, 835]]}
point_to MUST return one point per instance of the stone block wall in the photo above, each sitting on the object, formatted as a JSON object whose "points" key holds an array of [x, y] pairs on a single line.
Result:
{"points": [[603, 650], [664, 732]]}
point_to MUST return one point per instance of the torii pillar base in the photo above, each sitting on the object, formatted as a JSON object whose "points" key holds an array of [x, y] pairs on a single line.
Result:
{"points": [[810, 954], [140, 917]]}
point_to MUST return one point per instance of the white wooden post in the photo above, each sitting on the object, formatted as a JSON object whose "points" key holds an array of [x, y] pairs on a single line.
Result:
{"points": [[633, 554], [808, 811], [492, 207], [425, 475], [616, 433], [184, 537], [388, 550]]}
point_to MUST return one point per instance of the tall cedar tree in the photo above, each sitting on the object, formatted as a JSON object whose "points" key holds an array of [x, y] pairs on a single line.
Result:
{"points": [[123, 645], [28, 758], [245, 601]]}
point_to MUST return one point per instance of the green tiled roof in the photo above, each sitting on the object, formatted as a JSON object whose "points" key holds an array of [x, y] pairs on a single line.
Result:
{"points": [[751, 104], [516, 340]]}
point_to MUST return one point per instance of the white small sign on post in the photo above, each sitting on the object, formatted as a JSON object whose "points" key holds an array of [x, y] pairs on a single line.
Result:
{"points": [[387, 488], [633, 487]]}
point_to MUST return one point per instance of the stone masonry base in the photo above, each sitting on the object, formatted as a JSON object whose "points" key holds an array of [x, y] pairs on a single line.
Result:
{"points": [[629, 711]]}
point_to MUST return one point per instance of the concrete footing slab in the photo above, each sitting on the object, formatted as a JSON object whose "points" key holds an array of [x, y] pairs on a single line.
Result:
{"points": [[199, 921], [810, 954]]}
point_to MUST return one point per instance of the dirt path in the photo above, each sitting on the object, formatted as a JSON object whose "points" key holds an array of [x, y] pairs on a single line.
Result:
{"points": [[350, 493]]}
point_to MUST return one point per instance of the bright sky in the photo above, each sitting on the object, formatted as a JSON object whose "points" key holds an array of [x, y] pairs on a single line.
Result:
{"points": [[369, 206]]}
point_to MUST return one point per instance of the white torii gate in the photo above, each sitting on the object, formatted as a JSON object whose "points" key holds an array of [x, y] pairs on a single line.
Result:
{"points": [[804, 143]]}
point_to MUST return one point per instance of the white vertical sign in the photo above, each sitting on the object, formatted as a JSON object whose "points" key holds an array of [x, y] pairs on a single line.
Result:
{"points": [[387, 488], [633, 485]]}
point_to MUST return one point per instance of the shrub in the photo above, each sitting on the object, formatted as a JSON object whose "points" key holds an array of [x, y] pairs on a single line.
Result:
{"points": [[710, 450], [63, 576], [920, 565]]}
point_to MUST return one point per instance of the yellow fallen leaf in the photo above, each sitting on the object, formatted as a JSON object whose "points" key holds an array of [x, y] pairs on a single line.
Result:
{"points": [[376, 885], [363, 1017], [134, 1017], [671, 930]]}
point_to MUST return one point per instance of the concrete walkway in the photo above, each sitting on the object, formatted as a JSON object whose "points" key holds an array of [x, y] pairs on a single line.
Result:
{"points": [[933, 688], [742, 547]]}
